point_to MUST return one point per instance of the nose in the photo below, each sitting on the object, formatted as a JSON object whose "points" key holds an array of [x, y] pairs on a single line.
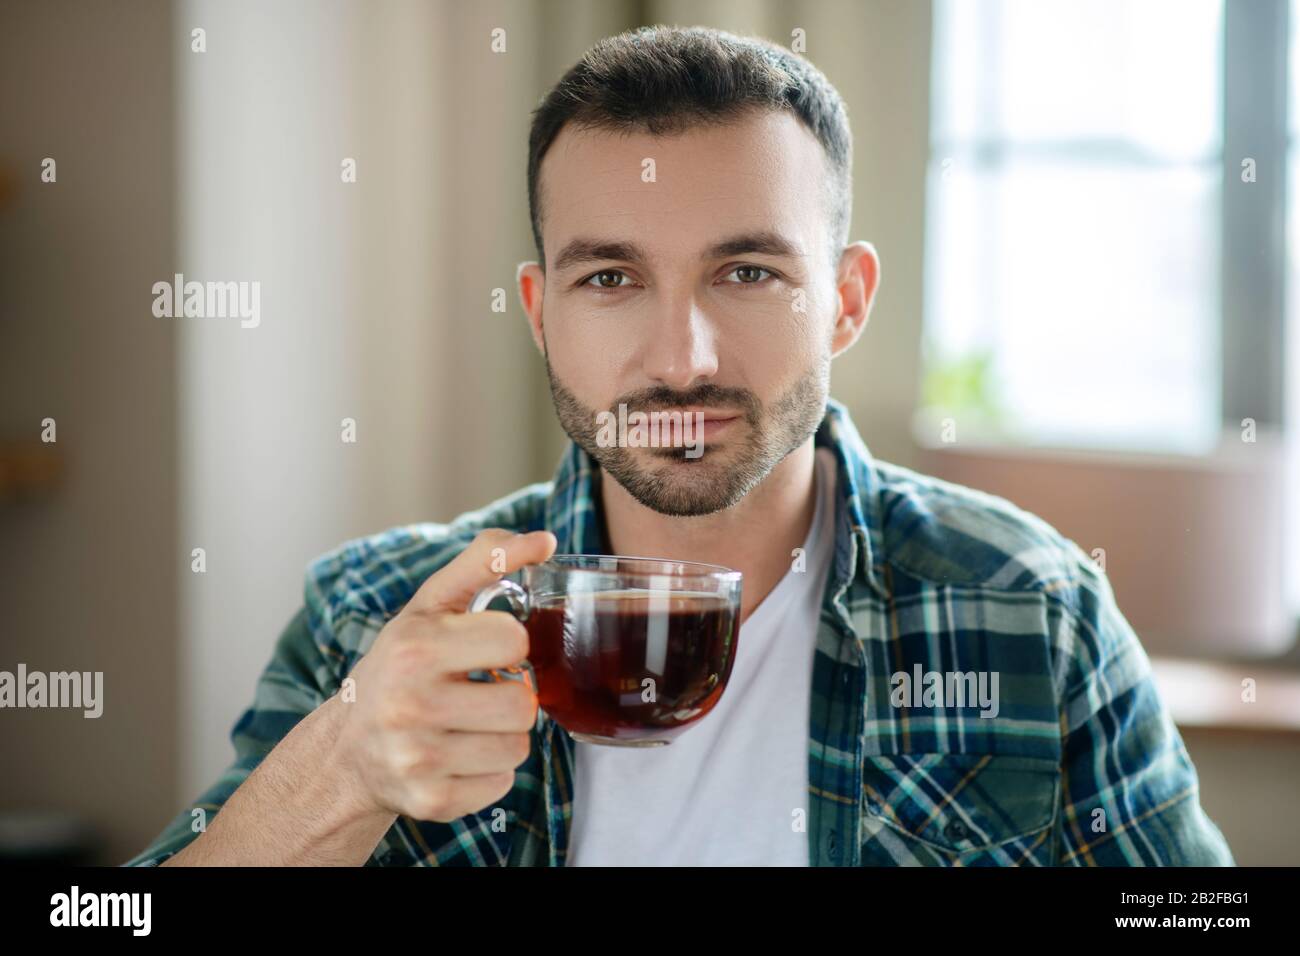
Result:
{"points": [[680, 350]]}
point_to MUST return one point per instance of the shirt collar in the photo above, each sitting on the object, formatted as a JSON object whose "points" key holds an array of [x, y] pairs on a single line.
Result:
{"points": [[575, 516]]}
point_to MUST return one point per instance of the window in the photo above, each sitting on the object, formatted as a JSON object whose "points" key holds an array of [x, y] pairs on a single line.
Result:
{"points": [[1073, 223], [1292, 337]]}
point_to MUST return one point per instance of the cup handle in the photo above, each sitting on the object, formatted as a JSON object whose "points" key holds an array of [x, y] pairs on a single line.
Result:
{"points": [[521, 605]]}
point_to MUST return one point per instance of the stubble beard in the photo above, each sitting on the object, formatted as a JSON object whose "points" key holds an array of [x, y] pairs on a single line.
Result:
{"points": [[665, 480]]}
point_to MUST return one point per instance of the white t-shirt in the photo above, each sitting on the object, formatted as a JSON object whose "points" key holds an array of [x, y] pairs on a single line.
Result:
{"points": [[725, 792]]}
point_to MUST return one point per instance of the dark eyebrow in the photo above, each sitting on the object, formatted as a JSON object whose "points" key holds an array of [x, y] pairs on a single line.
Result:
{"points": [[597, 250], [763, 242]]}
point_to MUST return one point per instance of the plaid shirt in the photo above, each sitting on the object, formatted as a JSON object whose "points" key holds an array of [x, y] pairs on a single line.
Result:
{"points": [[1081, 766]]}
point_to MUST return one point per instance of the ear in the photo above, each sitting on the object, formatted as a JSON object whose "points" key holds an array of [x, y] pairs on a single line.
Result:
{"points": [[858, 277], [532, 284]]}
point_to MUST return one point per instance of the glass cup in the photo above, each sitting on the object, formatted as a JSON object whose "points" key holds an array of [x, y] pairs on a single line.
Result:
{"points": [[623, 651]]}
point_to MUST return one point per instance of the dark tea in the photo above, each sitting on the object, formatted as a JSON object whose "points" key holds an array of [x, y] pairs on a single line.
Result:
{"points": [[632, 664]]}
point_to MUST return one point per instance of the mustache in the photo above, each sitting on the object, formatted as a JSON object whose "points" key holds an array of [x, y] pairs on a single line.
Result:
{"points": [[665, 399]]}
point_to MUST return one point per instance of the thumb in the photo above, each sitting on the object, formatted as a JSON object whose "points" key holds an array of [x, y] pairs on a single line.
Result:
{"points": [[494, 553]]}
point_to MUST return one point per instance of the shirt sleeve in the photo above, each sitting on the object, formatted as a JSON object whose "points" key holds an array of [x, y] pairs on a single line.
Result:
{"points": [[289, 688], [1130, 793]]}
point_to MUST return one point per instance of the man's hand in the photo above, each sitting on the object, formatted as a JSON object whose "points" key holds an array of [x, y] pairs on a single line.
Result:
{"points": [[421, 739]]}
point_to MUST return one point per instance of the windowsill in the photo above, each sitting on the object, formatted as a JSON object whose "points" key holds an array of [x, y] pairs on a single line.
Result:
{"points": [[1227, 451], [1207, 695]]}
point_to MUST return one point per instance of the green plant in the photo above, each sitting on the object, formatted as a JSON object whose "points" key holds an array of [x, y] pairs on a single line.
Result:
{"points": [[961, 384]]}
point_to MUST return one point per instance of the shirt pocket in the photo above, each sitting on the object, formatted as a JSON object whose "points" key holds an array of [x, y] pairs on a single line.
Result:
{"points": [[962, 805]]}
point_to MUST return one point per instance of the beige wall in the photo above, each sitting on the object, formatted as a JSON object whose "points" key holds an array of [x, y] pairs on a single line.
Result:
{"points": [[88, 578]]}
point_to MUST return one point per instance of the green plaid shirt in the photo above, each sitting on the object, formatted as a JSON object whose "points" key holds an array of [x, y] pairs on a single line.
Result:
{"points": [[1081, 766]]}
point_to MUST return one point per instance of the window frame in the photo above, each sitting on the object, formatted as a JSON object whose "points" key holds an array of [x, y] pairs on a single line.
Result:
{"points": [[1252, 228], [1253, 215]]}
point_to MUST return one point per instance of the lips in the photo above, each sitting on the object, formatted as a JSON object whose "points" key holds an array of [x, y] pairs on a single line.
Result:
{"points": [[715, 426], [710, 416]]}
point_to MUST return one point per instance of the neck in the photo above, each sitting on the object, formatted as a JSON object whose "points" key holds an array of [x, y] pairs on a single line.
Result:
{"points": [[756, 536]]}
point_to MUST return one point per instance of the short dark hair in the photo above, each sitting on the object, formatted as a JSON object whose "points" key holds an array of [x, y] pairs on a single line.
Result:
{"points": [[662, 79]]}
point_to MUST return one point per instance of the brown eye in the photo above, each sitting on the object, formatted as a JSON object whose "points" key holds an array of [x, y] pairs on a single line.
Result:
{"points": [[609, 279], [748, 275]]}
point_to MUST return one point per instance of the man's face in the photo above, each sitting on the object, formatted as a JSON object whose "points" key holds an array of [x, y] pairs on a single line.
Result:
{"points": [[687, 273]]}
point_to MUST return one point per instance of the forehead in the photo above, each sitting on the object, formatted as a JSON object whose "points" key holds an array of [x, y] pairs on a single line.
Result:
{"points": [[762, 171]]}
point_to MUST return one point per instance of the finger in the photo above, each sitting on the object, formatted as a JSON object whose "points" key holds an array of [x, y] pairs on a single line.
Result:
{"points": [[466, 795], [468, 754], [494, 553], [480, 706], [454, 644]]}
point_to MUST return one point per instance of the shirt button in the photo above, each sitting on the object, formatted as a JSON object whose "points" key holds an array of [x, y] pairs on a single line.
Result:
{"points": [[955, 831]]}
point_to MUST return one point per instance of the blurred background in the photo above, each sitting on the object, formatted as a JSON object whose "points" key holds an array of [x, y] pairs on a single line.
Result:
{"points": [[1087, 217]]}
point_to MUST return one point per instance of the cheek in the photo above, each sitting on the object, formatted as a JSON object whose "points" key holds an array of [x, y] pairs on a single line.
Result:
{"points": [[588, 365], [777, 342], [587, 350]]}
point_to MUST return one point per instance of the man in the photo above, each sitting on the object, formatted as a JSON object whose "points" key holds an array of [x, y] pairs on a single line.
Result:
{"points": [[690, 193]]}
